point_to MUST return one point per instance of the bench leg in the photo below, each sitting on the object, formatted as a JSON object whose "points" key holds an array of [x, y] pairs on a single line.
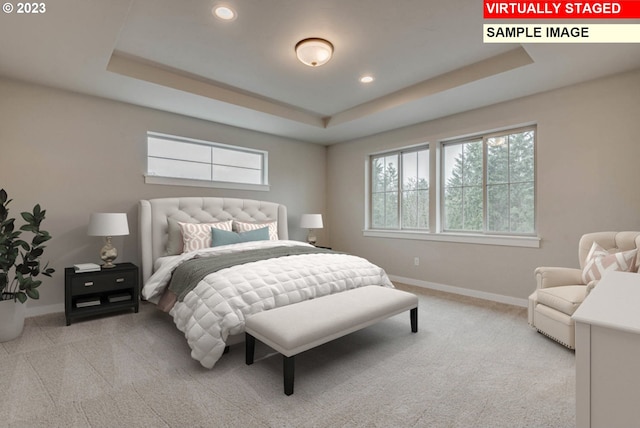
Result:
{"points": [[250, 346], [288, 366], [413, 314]]}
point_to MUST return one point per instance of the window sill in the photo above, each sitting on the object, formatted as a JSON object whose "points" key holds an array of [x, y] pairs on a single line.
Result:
{"points": [[463, 238], [171, 181]]}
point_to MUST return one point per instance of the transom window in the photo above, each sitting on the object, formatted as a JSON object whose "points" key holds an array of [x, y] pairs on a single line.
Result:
{"points": [[198, 162]]}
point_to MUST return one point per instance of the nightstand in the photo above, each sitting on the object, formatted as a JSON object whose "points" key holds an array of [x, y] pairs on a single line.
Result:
{"points": [[104, 291]]}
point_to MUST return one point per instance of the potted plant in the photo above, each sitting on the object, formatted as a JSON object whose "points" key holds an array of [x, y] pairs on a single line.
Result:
{"points": [[19, 266]]}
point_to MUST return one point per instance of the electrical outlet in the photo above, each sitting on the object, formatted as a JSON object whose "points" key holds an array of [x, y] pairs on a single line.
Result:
{"points": [[416, 261]]}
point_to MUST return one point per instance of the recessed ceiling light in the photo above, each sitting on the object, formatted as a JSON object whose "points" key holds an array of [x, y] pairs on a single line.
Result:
{"points": [[367, 79], [224, 12]]}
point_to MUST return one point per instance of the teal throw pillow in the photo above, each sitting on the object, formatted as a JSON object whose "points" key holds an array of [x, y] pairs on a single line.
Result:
{"points": [[224, 237]]}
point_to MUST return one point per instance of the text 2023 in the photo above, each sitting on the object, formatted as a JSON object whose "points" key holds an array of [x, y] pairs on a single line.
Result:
{"points": [[31, 8]]}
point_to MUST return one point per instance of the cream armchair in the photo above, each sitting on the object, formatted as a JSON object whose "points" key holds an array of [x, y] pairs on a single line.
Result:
{"points": [[559, 291]]}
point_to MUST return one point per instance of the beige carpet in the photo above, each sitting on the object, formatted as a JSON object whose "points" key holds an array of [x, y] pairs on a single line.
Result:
{"points": [[472, 364]]}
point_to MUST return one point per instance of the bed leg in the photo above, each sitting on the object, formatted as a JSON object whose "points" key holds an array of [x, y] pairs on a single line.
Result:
{"points": [[413, 314], [250, 346], [288, 366]]}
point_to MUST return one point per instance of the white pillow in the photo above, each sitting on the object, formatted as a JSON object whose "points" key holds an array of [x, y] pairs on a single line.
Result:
{"points": [[196, 236], [241, 226], [600, 261]]}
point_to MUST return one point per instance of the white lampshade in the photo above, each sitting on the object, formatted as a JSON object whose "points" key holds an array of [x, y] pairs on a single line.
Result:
{"points": [[311, 221], [108, 224], [314, 52]]}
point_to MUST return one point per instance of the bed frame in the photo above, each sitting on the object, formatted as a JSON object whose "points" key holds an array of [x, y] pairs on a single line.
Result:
{"points": [[153, 218]]}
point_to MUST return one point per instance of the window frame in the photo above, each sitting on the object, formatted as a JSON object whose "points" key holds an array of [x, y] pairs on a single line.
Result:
{"points": [[436, 201], [484, 137], [151, 178], [399, 190]]}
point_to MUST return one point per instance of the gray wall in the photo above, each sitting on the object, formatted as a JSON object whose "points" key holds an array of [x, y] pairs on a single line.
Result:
{"points": [[77, 154], [588, 146]]}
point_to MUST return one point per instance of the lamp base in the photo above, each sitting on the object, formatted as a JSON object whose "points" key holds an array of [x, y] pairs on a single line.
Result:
{"points": [[108, 254], [311, 237]]}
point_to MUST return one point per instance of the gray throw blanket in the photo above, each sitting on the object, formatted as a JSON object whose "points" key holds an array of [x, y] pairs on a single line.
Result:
{"points": [[190, 273]]}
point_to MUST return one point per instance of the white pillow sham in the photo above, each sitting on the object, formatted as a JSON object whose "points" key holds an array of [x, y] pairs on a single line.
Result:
{"points": [[196, 236], [241, 226]]}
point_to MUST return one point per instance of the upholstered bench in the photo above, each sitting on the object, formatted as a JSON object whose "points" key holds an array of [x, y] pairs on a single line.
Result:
{"points": [[296, 328]]}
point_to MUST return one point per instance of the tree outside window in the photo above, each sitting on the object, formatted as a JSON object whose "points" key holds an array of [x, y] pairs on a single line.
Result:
{"points": [[415, 190], [489, 184], [400, 190]]}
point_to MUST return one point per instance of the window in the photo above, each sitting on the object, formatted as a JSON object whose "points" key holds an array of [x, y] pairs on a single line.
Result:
{"points": [[400, 189], [179, 160], [484, 191], [489, 184]]}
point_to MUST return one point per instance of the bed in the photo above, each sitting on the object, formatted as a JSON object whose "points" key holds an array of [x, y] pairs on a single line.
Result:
{"points": [[211, 262]]}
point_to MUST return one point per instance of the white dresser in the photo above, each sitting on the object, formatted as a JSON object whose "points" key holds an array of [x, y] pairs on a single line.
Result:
{"points": [[608, 353]]}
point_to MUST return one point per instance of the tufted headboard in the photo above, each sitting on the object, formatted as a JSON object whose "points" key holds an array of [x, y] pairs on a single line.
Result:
{"points": [[153, 215]]}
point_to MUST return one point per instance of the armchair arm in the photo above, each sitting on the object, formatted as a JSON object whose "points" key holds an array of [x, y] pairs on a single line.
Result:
{"points": [[556, 276], [592, 285]]}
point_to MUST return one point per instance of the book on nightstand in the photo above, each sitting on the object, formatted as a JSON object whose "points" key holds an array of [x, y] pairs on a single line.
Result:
{"points": [[90, 301], [86, 267], [122, 297]]}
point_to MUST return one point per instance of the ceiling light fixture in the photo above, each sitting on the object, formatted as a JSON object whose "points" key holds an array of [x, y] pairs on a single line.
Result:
{"points": [[225, 13], [367, 79], [314, 52]]}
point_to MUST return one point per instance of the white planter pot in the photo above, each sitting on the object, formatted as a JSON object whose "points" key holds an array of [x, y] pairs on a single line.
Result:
{"points": [[11, 319]]}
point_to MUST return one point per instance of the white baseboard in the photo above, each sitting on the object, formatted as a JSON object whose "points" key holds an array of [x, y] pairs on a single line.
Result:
{"points": [[44, 310], [462, 291], [50, 309]]}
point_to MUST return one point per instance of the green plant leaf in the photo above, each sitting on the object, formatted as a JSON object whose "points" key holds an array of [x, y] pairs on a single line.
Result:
{"points": [[28, 217], [40, 238], [8, 225], [35, 253], [21, 270], [22, 297], [29, 228], [22, 285]]}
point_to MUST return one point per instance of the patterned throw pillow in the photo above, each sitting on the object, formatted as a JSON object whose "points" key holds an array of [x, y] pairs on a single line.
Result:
{"points": [[196, 236], [600, 261], [241, 226]]}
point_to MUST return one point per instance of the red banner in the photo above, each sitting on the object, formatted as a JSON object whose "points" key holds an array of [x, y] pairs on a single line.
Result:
{"points": [[516, 9]]}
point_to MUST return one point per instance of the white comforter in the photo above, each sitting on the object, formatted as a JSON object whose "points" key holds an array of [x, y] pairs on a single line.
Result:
{"points": [[216, 308]]}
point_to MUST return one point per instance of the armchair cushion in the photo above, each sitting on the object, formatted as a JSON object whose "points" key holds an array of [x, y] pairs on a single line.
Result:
{"points": [[599, 261], [564, 299]]}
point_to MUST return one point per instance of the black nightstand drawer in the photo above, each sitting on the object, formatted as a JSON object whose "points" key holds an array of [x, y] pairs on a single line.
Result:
{"points": [[86, 283]]}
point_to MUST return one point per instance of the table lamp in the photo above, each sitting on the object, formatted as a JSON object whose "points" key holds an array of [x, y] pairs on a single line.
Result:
{"points": [[311, 222], [108, 225]]}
